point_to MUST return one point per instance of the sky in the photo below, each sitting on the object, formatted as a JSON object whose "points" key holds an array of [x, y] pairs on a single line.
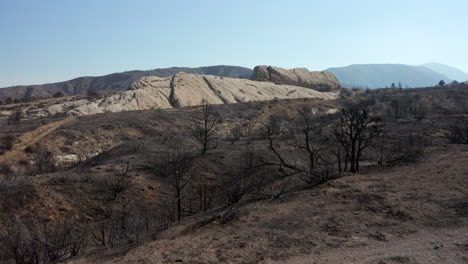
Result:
{"points": [[44, 41]]}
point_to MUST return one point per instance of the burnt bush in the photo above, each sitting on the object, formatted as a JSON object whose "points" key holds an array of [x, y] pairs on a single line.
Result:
{"points": [[458, 132], [58, 94], [7, 142], [408, 149], [42, 242], [5, 169]]}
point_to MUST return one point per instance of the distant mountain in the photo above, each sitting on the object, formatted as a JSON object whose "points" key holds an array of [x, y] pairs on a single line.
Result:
{"points": [[115, 82], [449, 71], [383, 75]]}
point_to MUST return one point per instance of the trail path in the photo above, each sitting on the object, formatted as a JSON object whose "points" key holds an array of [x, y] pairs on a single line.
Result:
{"points": [[32, 137]]}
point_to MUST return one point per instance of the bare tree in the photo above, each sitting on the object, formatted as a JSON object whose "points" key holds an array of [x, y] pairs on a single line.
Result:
{"points": [[458, 132], [355, 132], [16, 116], [121, 181], [243, 180], [310, 128], [396, 107], [173, 167], [205, 124], [272, 130], [78, 242], [235, 133], [44, 161], [204, 187], [56, 237], [243, 130], [419, 111], [382, 139], [36, 242], [103, 232]]}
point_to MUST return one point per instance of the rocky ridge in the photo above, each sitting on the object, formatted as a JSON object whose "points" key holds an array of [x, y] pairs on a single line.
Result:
{"points": [[115, 82], [320, 81], [183, 90]]}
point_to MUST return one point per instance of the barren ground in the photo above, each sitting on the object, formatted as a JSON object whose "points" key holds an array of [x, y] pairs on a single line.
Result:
{"points": [[416, 213]]}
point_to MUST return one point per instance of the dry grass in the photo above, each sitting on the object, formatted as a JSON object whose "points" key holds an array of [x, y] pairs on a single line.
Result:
{"points": [[411, 214]]}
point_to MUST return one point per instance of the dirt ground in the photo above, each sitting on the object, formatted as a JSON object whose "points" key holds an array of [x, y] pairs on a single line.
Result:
{"points": [[415, 213]]}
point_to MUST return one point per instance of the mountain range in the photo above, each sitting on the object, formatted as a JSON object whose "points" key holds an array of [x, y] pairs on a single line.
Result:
{"points": [[449, 71], [383, 75], [354, 76]]}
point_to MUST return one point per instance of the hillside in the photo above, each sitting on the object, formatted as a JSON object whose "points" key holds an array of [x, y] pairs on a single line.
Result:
{"points": [[180, 90], [114, 82], [383, 75], [249, 198], [449, 71], [383, 217]]}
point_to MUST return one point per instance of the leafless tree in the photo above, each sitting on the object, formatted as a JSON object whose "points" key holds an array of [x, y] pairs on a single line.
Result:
{"points": [[242, 130], [381, 139], [355, 132], [36, 242], [396, 108], [458, 132], [205, 124], [102, 233], [272, 130], [310, 128], [419, 111], [243, 180], [408, 148], [173, 167], [204, 187], [78, 242], [121, 181], [44, 161], [56, 241], [16, 116], [235, 133]]}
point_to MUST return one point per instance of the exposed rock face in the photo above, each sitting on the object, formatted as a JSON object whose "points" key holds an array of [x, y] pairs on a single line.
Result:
{"points": [[186, 90], [320, 81], [115, 82]]}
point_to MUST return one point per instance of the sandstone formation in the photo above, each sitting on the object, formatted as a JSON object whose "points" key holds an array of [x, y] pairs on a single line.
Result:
{"points": [[320, 81], [185, 90], [115, 82]]}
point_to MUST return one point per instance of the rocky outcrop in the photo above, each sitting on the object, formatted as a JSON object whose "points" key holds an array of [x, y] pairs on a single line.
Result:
{"points": [[185, 90], [320, 81], [115, 82]]}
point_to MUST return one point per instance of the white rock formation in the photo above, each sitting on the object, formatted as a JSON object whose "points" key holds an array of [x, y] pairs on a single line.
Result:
{"points": [[186, 90], [321, 81]]}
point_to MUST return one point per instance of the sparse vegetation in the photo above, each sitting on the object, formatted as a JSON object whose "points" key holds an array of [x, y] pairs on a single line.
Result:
{"points": [[204, 125], [236, 156], [355, 132]]}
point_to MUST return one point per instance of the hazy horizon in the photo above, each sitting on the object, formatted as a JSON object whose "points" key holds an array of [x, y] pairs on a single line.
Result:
{"points": [[52, 41]]}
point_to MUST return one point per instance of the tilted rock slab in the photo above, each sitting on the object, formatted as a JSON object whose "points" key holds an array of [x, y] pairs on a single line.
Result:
{"points": [[320, 81], [187, 90]]}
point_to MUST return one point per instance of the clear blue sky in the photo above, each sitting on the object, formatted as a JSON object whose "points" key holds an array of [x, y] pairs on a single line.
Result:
{"points": [[54, 40]]}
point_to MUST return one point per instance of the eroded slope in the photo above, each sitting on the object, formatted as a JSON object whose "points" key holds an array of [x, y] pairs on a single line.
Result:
{"points": [[184, 90], [410, 214]]}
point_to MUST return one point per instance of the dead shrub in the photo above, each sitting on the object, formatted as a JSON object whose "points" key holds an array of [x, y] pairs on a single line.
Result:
{"points": [[458, 133]]}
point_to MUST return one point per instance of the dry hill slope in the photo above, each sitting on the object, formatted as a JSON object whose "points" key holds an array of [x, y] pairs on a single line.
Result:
{"points": [[411, 214]]}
